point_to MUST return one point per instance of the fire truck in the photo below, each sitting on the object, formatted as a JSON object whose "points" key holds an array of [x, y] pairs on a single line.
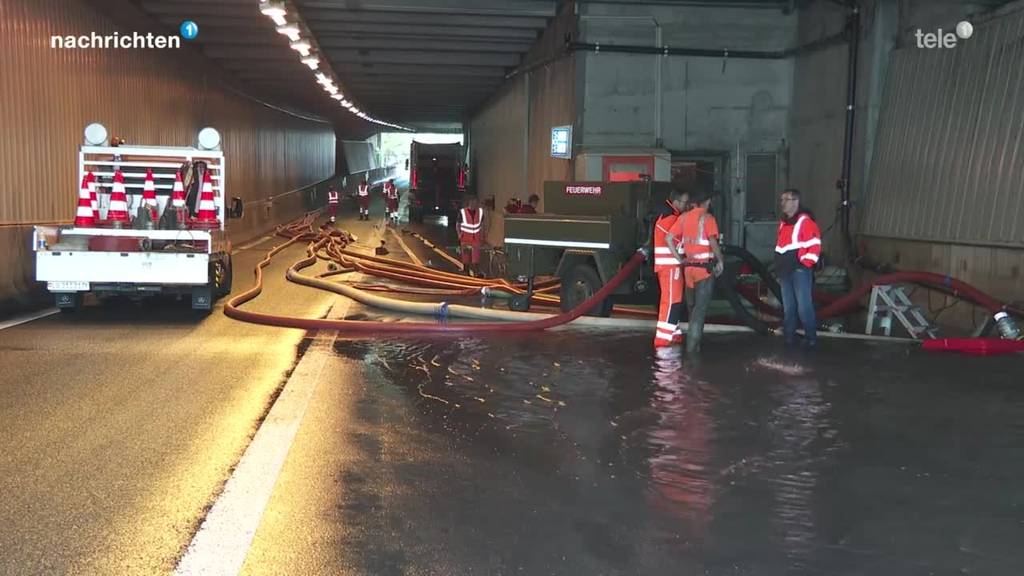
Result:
{"points": [[147, 253], [437, 179], [587, 233]]}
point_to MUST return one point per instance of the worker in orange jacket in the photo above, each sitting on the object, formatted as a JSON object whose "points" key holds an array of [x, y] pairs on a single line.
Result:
{"points": [[697, 234], [471, 234], [363, 197], [797, 251], [669, 272]]}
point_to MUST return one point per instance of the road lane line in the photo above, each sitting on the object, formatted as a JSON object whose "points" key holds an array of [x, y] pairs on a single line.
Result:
{"points": [[27, 318], [405, 248], [255, 242], [220, 546], [222, 542]]}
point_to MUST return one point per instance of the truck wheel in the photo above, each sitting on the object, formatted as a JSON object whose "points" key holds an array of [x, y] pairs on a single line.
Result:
{"points": [[230, 276], [578, 285]]}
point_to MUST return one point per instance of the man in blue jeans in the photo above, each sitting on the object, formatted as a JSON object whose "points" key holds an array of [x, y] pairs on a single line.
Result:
{"points": [[797, 251]]}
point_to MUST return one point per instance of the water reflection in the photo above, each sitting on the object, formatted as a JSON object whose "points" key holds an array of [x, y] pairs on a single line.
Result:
{"points": [[680, 440], [744, 460]]}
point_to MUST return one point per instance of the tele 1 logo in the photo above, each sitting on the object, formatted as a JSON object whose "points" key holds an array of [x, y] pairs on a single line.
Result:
{"points": [[941, 39]]}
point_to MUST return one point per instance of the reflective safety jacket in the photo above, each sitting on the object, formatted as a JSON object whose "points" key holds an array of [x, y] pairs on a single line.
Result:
{"points": [[663, 258], [800, 237], [364, 189], [332, 196], [695, 229], [471, 226]]}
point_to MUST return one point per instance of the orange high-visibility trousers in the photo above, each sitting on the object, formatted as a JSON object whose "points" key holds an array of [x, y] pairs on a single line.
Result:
{"points": [[670, 309]]}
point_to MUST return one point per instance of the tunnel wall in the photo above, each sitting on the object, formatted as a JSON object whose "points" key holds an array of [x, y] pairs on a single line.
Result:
{"points": [[510, 137], [148, 97], [710, 107], [937, 155]]}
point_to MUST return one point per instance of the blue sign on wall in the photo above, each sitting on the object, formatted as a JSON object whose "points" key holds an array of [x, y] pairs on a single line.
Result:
{"points": [[561, 142]]}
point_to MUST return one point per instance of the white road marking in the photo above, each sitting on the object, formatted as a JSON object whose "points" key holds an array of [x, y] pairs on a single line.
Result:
{"points": [[223, 540], [405, 248], [255, 242], [27, 318]]}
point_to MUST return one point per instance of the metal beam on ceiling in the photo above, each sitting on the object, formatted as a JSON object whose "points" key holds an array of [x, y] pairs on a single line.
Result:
{"points": [[406, 29], [437, 59], [217, 22], [314, 17], [422, 45], [422, 82], [395, 70], [538, 8]]}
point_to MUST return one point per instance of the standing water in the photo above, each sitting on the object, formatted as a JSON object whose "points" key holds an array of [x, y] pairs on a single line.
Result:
{"points": [[583, 452]]}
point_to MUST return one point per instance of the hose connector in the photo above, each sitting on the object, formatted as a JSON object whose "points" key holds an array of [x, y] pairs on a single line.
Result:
{"points": [[1007, 327]]}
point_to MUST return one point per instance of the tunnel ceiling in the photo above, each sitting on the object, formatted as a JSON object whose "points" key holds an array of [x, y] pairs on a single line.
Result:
{"points": [[427, 64], [421, 63]]}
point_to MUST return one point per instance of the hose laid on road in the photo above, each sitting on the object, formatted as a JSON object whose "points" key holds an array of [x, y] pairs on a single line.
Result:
{"points": [[303, 231]]}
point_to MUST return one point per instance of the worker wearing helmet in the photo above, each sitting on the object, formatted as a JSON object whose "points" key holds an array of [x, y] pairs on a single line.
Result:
{"points": [[669, 272], [471, 234], [697, 235], [363, 197]]}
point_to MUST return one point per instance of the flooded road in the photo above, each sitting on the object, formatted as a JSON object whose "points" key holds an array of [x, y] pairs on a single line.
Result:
{"points": [[579, 452]]}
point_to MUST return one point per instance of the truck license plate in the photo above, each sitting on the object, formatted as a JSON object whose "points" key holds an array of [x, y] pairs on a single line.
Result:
{"points": [[67, 286]]}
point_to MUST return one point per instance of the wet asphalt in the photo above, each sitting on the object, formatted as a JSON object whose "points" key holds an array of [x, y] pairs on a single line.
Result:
{"points": [[572, 452], [582, 453]]}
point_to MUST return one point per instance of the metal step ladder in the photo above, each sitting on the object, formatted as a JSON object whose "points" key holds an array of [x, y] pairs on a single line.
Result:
{"points": [[888, 301]]}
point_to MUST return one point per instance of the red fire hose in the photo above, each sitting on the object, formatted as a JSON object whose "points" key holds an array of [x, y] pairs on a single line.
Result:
{"points": [[232, 309]]}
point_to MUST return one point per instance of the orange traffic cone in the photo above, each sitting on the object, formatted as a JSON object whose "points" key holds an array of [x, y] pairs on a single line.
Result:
{"points": [[93, 198], [178, 193], [207, 215], [149, 196], [84, 217], [176, 213], [117, 212]]}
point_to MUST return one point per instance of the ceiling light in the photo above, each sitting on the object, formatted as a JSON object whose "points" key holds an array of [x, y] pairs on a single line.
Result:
{"points": [[312, 61], [302, 47], [289, 30], [338, 96], [274, 10]]}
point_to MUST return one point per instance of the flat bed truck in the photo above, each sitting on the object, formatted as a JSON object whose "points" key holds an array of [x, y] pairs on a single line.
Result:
{"points": [[190, 261]]}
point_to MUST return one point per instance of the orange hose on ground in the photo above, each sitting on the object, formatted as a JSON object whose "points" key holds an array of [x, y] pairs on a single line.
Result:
{"points": [[232, 309]]}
